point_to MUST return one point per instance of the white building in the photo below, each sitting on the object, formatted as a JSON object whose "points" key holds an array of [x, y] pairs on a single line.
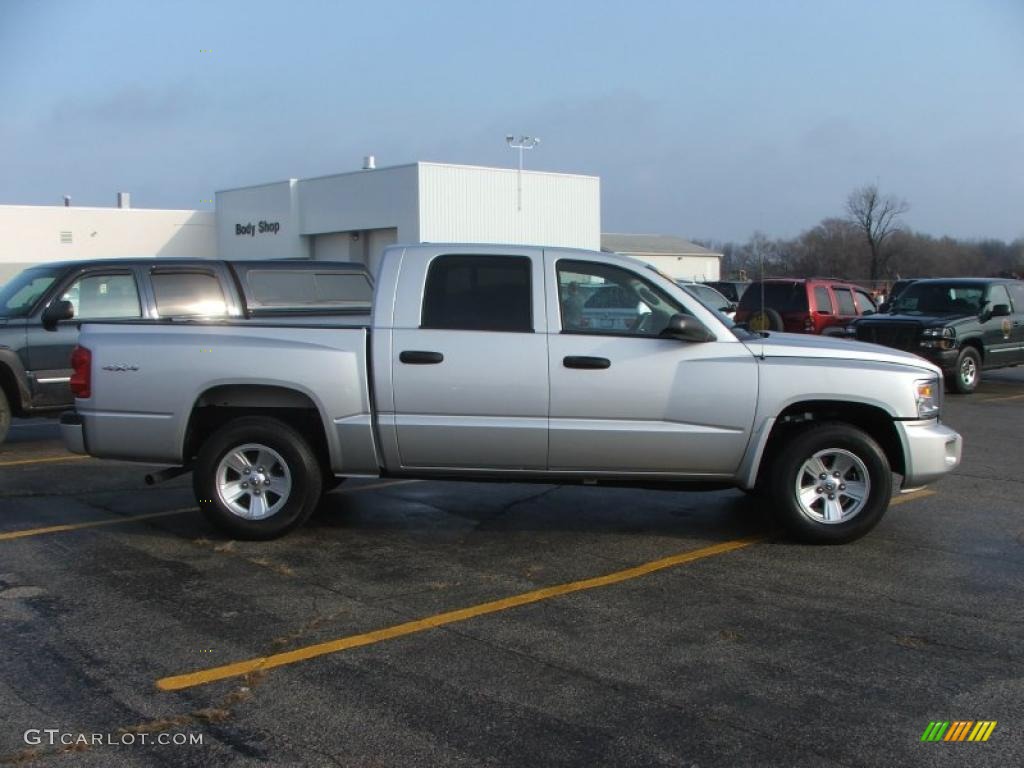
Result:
{"points": [[342, 217], [354, 216], [678, 258], [30, 234]]}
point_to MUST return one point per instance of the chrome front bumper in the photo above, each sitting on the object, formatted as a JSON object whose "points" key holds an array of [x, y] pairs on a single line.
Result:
{"points": [[930, 449], [72, 432]]}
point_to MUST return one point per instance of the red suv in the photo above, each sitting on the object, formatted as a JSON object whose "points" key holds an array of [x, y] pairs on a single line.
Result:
{"points": [[797, 305]]}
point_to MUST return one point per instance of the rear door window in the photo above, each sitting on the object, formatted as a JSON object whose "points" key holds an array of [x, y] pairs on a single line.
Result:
{"points": [[182, 293], [479, 293], [821, 300]]}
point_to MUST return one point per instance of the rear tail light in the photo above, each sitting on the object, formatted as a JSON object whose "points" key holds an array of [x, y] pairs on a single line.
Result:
{"points": [[81, 377]]}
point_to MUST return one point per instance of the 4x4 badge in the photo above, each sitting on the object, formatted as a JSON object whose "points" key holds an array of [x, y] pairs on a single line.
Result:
{"points": [[120, 367]]}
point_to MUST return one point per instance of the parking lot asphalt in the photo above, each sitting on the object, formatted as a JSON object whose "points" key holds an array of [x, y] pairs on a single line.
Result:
{"points": [[428, 623]]}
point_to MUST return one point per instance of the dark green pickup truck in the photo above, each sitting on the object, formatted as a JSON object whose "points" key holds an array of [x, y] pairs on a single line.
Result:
{"points": [[35, 362], [963, 325]]}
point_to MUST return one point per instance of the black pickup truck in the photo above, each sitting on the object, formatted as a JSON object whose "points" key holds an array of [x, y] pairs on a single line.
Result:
{"points": [[963, 325], [41, 307]]}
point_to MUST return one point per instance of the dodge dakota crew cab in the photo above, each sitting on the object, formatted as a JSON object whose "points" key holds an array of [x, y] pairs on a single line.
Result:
{"points": [[34, 364], [477, 364]]}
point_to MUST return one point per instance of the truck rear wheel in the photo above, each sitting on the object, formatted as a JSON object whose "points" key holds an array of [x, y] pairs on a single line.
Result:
{"points": [[5, 416], [257, 478], [831, 484]]}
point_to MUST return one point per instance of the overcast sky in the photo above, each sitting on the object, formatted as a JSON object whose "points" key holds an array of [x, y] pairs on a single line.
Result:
{"points": [[704, 119]]}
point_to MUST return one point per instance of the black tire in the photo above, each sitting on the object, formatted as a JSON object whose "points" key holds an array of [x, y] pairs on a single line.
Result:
{"points": [[842, 440], [297, 462], [765, 320], [965, 379], [5, 417]]}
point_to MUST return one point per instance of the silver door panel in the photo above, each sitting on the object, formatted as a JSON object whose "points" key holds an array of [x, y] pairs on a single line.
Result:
{"points": [[473, 442], [662, 405], [485, 404]]}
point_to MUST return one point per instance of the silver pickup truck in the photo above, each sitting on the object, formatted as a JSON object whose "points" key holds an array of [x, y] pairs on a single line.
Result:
{"points": [[483, 362]]}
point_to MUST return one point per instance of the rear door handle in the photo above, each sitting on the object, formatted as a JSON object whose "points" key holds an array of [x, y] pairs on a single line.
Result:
{"points": [[416, 357], [588, 363]]}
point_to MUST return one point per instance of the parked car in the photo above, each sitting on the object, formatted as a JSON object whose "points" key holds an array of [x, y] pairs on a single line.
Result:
{"points": [[709, 296], [733, 290], [35, 365], [470, 371], [797, 305], [609, 307], [963, 325]]}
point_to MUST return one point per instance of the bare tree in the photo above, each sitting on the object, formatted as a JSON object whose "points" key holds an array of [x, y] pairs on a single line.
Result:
{"points": [[878, 218]]}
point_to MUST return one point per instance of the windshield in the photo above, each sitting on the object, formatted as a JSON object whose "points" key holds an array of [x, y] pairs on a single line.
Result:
{"points": [[20, 294], [940, 299], [708, 295], [710, 299]]}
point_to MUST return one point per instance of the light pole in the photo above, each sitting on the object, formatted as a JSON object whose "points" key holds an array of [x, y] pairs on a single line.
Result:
{"points": [[523, 142]]}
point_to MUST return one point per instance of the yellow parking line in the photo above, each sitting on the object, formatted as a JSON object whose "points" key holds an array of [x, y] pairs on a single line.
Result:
{"points": [[192, 679], [93, 524], [9, 535], [912, 496], [43, 460]]}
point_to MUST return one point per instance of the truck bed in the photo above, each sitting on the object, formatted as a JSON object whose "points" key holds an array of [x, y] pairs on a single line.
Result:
{"points": [[149, 377]]}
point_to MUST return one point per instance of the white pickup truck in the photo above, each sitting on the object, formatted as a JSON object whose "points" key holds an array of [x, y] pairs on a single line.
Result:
{"points": [[478, 362]]}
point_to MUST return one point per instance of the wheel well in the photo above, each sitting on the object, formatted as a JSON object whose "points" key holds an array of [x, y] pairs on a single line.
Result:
{"points": [[219, 405], [9, 386], [876, 422], [976, 343]]}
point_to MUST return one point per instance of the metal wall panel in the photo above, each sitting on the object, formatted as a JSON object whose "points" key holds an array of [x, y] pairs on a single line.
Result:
{"points": [[472, 204]]}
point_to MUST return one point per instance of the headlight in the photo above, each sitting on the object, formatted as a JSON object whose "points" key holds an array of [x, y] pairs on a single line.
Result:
{"points": [[928, 397], [938, 338]]}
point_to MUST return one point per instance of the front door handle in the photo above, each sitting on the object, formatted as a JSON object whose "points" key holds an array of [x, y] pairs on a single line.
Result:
{"points": [[416, 357], [588, 363]]}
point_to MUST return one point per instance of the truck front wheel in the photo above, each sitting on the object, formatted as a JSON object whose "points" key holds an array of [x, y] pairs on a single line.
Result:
{"points": [[967, 376], [831, 484], [257, 478]]}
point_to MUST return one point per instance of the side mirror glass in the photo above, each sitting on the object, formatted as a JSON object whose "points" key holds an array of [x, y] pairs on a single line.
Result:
{"points": [[1001, 310], [686, 328], [57, 311]]}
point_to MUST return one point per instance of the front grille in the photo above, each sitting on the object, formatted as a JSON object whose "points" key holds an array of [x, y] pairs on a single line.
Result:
{"points": [[899, 335]]}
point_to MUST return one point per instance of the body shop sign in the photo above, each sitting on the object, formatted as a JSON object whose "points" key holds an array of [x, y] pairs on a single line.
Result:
{"points": [[262, 227]]}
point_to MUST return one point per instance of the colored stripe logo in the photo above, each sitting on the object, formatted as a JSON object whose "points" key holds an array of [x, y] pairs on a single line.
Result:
{"points": [[959, 730]]}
